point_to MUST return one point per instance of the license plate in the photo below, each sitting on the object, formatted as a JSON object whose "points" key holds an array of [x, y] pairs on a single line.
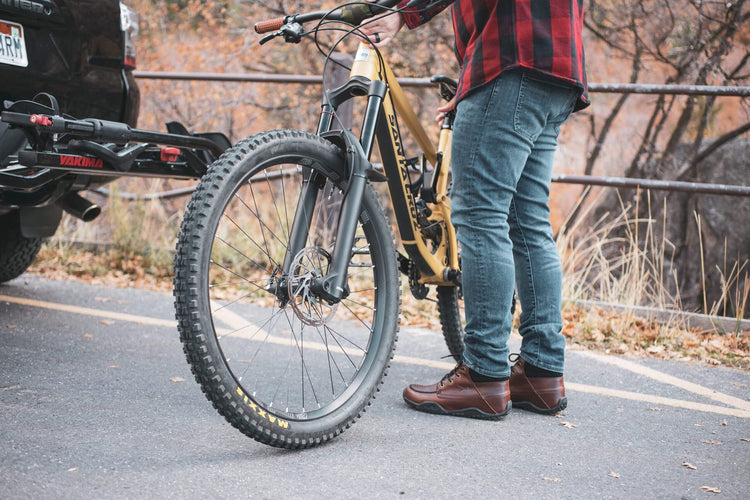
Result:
{"points": [[12, 44]]}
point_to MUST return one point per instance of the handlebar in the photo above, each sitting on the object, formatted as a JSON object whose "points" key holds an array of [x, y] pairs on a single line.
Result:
{"points": [[270, 25], [353, 14]]}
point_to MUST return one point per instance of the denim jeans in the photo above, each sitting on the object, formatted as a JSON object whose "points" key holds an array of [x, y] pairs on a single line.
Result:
{"points": [[504, 142]]}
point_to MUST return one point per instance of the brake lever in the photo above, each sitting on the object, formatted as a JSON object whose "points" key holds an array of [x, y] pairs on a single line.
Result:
{"points": [[292, 33], [269, 37]]}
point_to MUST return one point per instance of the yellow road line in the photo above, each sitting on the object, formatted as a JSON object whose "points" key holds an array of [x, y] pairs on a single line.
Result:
{"points": [[87, 311], [669, 379], [657, 400], [741, 408], [430, 363]]}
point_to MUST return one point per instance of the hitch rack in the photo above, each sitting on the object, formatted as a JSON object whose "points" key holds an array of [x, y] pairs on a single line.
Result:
{"points": [[61, 144]]}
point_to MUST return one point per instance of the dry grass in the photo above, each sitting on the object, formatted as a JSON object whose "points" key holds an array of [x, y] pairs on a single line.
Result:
{"points": [[612, 262]]}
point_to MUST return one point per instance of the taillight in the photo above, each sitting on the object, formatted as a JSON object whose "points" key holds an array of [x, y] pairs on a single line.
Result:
{"points": [[129, 25]]}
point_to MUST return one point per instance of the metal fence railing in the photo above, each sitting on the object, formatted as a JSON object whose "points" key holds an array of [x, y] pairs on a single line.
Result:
{"points": [[614, 88], [617, 88]]}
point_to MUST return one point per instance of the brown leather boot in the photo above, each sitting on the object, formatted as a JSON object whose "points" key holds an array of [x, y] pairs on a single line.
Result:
{"points": [[456, 394], [539, 394]]}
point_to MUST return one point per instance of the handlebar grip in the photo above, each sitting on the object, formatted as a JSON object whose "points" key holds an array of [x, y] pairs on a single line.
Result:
{"points": [[270, 25]]}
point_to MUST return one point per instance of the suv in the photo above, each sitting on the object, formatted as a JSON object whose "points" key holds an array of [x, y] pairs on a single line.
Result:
{"points": [[73, 58], [66, 58]]}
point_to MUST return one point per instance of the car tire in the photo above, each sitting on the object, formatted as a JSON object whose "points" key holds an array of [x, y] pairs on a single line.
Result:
{"points": [[16, 251]]}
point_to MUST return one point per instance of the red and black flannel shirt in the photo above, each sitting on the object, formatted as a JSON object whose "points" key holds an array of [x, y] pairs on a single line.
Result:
{"points": [[496, 35]]}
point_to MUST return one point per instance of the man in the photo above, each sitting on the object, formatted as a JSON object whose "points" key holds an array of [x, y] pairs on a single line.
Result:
{"points": [[522, 74]]}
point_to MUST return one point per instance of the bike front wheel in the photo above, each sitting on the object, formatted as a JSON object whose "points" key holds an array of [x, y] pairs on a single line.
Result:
{"points": [[282, 365]]}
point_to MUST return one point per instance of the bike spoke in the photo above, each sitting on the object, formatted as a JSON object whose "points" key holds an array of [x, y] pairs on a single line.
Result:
{"points": [[358, 317], [244, 280], [263, 248], [249, 259], [286, 224]]}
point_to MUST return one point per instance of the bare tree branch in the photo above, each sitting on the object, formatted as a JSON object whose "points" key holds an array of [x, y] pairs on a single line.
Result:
{"points": [[720, 141]]}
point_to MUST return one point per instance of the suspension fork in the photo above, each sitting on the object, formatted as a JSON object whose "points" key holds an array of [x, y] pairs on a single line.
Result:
{"points": [[333, 287]]}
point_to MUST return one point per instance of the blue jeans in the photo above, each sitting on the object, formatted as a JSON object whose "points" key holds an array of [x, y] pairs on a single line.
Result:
{"points": [[504, 142]]}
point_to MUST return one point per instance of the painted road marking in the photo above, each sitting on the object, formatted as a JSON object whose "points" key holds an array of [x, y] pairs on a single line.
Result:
{"points": [[87, 311], [740, 408], [657, 400], [669, 379]]}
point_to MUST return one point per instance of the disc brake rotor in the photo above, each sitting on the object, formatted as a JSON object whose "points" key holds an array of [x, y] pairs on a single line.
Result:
{"points": [[309, 264]]}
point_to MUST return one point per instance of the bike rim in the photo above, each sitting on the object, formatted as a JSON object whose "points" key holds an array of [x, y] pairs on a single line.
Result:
{"points": [[301, 359]]}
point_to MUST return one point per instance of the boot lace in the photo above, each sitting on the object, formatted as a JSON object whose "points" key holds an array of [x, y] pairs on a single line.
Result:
{"points": [[448, 378]]}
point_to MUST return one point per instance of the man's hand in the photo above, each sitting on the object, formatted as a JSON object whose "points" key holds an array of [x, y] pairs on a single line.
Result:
{"points": [[381, 30], [445, 108]]}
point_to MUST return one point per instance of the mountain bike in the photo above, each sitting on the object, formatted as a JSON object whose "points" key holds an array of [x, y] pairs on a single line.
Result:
{"points": [[287, 288]]}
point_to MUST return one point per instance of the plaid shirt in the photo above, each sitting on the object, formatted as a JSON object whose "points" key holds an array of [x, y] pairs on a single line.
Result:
{"points": [[496, 35]]}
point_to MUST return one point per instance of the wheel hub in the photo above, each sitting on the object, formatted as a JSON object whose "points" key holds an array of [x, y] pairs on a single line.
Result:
{"points": [[309, 264]]}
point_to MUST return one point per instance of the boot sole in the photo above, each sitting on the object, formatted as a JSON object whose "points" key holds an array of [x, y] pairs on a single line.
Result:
{"points": [[525, 405], [435, 408]]}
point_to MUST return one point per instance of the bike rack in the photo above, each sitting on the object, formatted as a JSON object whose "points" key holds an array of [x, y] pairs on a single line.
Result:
{"points": [[59, 145]]}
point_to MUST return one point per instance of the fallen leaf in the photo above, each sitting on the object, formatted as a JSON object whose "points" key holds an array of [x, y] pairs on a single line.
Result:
{"points": [[87, 336], [655, 349], [12, 326], [176, 379], [107, 322], [73, 469], [656, 409], [113, 366], [711, 442], [553, 479], [745, 439], [568, 425], [689, 465], [698, 425], [723, 423], [102, 299], [614, 474], [711, 489]]}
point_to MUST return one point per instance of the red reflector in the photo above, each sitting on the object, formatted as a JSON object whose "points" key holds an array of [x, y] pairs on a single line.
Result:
{"points": [[170, 154], [40, 120], [130, 62]]}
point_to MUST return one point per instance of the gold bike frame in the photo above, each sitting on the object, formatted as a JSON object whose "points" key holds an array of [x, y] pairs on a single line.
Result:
{"points": [[436, 263]]}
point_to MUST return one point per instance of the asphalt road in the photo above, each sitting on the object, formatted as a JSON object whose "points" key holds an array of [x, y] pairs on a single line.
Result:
{"points": [[97, 401]]}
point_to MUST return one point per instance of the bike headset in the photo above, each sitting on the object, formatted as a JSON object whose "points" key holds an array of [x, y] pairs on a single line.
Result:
{"points": [[325, 21]]}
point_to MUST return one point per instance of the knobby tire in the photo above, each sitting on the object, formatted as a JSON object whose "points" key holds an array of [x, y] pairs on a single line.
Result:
{"points": [[450, 310], [17, 252], [289, 373]]}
